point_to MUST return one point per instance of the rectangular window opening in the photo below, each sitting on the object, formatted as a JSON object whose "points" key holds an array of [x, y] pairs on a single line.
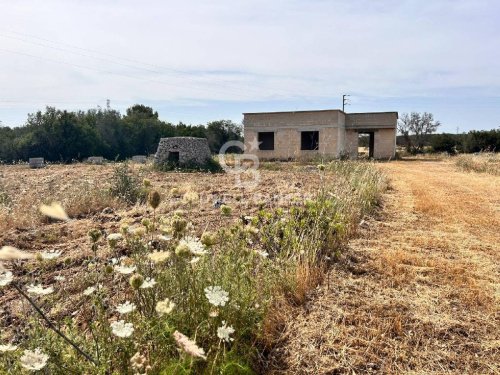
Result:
{"points": [[266, 140], [309, 140]]}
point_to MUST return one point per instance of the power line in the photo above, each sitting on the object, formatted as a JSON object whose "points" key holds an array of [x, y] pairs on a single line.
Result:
{"points": [[97, 70], [184, 74]]}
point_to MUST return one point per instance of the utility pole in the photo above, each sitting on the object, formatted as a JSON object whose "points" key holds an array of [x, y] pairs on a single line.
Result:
{"points": [[345, 101]]}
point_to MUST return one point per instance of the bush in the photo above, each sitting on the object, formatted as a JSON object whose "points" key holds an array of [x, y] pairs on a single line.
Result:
{"points": [[483, 163], [482, 140], [211, 165], [444, 143], [127, 186], [4, 197]]}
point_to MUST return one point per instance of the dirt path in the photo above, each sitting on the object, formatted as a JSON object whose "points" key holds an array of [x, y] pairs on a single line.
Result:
{"points": [[419, 290]]}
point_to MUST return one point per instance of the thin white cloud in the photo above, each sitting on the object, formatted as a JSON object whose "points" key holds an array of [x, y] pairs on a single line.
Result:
{"points": [[79, 52]]}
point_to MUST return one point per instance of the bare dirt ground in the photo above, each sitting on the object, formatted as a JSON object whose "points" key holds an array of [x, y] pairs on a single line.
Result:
{"points": [[418, 291], [81, 188]]}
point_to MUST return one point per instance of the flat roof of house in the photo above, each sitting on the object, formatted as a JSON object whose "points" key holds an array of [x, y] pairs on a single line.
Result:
{"points": [[316, 110]]}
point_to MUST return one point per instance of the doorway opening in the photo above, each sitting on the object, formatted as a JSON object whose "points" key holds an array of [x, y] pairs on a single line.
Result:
{"points": [[173, 157], [366, 143]]}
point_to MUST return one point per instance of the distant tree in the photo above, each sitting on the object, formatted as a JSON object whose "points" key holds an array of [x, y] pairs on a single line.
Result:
{"points": [[59, 135], [444, 143], [482, 140], [222, 131], [141, 111], [419, 126]]}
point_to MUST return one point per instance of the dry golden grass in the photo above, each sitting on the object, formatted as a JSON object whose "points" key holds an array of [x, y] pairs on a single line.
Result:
{"points": [[419, 290], [82, 190], [486, 162]]}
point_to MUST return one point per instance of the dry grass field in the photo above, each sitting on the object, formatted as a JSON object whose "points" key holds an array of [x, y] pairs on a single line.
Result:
{"points": [[418, 292], [218, 262]]}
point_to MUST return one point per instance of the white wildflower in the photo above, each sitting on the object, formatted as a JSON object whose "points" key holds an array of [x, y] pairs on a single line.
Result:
{"points": [[54, 211], [224, 332], [189, 346], [122, 329], [164, 307], [194, 244], [34, 360], [7, 348], [263, 254], [159, 256], [164, 238], [51, 254], [89, 291], [40, 290], [114, 237], [149, 282], [6, 278], [125, 270], [125, 308], [59, 278], [216, 295]]}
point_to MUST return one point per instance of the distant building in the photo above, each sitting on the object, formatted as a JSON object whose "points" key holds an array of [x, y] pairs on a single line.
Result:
{"points": [[330, 133]]}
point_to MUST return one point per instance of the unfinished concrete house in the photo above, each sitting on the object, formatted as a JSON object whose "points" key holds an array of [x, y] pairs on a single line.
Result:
{"points": [[329, 133]]}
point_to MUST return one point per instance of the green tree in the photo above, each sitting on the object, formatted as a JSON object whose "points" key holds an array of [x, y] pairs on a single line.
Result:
{"points": [[444, 143], [417, 126], [222, 131]]}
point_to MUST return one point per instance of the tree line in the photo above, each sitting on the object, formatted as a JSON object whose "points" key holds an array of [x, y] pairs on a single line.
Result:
{"points": [[471, 142], [417, 135], [65, 136]]}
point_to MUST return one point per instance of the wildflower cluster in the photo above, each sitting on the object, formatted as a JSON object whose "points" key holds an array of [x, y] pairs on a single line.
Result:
{"points": [[160, 295]]}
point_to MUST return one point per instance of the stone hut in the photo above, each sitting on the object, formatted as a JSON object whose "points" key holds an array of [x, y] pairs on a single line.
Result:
{"points": [[182, 151]]}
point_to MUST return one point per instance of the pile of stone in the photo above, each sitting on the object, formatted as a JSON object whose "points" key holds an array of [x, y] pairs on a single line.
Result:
{"points": [[141, 159], [95, 160], [36, 163]]}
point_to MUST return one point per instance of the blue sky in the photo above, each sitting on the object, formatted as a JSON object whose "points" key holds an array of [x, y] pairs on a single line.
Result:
{"points": [[196, 61]]}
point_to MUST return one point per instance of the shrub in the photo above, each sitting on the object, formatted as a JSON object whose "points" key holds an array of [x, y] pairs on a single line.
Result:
{"points": [[4, 197], [444, 143], [211, 165], [127, 186], [483, 163]]}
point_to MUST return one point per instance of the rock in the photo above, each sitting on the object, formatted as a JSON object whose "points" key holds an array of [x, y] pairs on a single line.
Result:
{"points": [[36, 162]]}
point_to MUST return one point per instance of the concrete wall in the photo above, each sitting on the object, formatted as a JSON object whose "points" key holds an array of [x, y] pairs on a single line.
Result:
{"points": [[287, 128], [338, 132], [372, 120], [351, 143], [385, 144]]}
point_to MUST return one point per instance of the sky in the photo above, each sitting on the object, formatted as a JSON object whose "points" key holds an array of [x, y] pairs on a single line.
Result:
{"points": [[198, 61]]}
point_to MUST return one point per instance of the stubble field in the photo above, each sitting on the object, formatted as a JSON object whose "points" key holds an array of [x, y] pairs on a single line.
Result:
{"points": [[322, 270]]}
